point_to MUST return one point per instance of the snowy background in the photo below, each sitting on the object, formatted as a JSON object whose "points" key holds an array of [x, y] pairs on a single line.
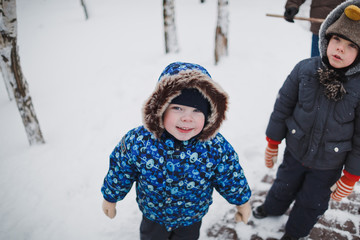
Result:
{"points": [[88, 81]]}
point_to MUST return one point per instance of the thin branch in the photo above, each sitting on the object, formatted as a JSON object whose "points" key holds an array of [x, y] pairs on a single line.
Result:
{"points": [[319, 20]]}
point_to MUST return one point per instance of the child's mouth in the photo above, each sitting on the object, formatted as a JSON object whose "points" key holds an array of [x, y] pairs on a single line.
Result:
{"points": [[184, 129], [337, 57]]}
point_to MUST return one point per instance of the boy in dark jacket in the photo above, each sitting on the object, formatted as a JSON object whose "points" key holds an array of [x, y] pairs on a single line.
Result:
{"points": [[317, 111], [178, 157]]}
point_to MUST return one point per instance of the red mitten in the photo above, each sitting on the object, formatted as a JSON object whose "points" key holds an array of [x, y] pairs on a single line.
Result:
{"points": [[271, 154], [344, 186]]}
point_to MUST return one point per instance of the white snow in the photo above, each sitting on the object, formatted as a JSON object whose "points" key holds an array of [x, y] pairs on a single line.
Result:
{"points": [[88, 81]]}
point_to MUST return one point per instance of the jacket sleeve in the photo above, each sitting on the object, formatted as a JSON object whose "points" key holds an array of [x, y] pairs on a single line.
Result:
{"points": [[285, 103], [230, 180], [294, 3], [352, 163], [121, 174]]}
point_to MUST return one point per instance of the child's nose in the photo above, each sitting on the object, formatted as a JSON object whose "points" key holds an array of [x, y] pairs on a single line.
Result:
{"points": [[186, 117], [340, 48]]}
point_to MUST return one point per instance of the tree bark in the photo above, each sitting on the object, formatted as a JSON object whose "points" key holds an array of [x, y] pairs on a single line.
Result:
{"points": [[10, 67], [7, 83], [171, 43], [221, 34]]}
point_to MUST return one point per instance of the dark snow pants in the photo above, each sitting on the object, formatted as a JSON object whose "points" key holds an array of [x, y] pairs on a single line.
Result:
{"points": [[150, 230], [310, 188]]}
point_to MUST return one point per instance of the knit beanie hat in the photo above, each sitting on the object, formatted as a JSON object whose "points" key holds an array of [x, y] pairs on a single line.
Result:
{"points": [[348, 25], [191, 97]]}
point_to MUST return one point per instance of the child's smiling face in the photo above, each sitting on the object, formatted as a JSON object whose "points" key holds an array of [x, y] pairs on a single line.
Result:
{"points": [[183, 122], [341, 52]]}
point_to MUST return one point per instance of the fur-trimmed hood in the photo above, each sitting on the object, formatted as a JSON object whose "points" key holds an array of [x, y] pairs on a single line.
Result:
{"points": [[173, 79], [330, 19]]}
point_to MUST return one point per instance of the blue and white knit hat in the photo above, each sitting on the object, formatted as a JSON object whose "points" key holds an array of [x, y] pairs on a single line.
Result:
{"points": [[176, 67]]}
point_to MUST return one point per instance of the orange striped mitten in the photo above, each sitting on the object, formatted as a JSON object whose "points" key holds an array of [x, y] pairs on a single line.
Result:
{"points": [[344, 186], [271, 154]]}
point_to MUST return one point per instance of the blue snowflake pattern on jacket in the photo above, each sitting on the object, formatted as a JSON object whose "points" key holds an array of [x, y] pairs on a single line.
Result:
{"points": [[174, 180]]}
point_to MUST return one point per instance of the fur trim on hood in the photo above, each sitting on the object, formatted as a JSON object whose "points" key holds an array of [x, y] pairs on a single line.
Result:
{"points": [[324, 41], [178, 76]]}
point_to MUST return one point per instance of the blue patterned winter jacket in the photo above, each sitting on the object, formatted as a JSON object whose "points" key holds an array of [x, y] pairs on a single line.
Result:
{"points": [[174, 180]]}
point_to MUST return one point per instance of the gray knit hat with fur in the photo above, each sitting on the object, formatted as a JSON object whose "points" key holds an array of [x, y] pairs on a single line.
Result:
{"points": [[334, 21], [348, 25]]}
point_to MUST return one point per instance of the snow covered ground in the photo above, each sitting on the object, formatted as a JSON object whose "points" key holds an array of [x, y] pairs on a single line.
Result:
{"points": [[88, 81]]}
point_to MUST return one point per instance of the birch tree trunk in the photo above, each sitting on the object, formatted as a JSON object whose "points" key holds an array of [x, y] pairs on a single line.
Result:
{"points": [[171, 43], [7, 83], [10, 67], [222, 26]]}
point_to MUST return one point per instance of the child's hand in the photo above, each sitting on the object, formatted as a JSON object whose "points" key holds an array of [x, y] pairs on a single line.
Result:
{"points": [[243, 212], [342, 188], [271, 154], [109, 208]]}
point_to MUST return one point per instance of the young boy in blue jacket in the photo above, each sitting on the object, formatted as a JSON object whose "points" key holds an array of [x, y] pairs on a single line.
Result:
{"points": [[317, 111], [177, 157]]}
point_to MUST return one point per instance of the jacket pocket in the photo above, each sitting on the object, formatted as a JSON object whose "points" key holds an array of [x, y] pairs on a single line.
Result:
{"points": [[294, 131], [338, 147], [345, 109], [335, 154], [294, 137]]}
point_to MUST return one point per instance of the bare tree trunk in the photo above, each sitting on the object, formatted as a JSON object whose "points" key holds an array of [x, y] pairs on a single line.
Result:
{"points": [[10, 67], [7, 83], [171, 43], [85, 9], [222, 26]]}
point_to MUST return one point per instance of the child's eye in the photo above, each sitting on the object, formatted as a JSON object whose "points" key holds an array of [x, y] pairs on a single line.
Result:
{"points": [[336, 38], [353, 46], [196, 110]]}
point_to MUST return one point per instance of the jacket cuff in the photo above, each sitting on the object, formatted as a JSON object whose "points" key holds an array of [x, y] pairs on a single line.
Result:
{"points": [[273, 142], [351, 177], [109, 199]]}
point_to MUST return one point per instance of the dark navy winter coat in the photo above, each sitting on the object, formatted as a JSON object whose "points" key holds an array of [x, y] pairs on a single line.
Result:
{"points": [[319, 132]]}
